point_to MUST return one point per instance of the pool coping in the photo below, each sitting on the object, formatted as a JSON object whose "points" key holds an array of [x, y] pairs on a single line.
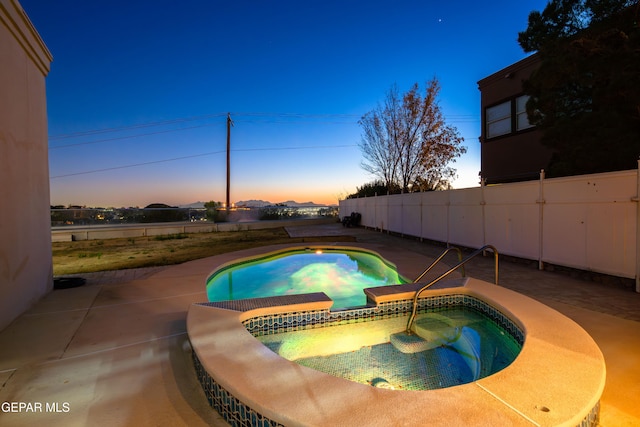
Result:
{"points": [[557, 379]]}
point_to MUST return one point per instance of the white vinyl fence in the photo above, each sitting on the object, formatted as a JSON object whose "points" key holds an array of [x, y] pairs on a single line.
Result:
{"points": [[588, 222]]}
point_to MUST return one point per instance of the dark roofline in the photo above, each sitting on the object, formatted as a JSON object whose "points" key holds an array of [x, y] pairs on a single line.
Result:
{"points": [[516, 66]]}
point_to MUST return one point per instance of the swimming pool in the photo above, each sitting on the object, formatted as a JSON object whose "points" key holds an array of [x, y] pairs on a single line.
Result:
{"points": [[248, 384], [340, 273]]}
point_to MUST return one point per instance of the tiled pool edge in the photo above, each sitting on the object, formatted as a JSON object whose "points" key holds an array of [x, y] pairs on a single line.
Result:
{"points": [[228, 406], [292, 321], [237, 413]]}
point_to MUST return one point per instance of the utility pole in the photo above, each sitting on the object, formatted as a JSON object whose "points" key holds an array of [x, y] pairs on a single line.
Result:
{"points": [[229, 124]]}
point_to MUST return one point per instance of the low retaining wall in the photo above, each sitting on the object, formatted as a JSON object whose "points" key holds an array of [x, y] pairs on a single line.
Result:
{"points": [[71, 233]]}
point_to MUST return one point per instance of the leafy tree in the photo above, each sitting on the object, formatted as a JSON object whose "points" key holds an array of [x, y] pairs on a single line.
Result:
{"points": [[563, 19], [160, 212], [213, 211], [406, 141], [371, 189], [585, 96]]}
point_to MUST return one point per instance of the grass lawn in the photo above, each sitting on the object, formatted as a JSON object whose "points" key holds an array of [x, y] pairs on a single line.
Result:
{"points": [[88, 256]]}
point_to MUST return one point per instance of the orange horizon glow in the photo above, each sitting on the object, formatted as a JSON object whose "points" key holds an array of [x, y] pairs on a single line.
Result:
{"points": [[109, 199]]}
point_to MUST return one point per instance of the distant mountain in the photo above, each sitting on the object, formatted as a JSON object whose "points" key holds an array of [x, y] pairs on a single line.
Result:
{"points": [[300, 205], [194, 205], [253, 203], [256, 204], [262, 203]]}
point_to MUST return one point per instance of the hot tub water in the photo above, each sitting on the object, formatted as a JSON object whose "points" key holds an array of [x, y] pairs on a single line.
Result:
{"points": [[466, 346]]}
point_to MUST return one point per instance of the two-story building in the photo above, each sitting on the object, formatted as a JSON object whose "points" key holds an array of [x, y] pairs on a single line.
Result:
{"points": [[510, 145]]}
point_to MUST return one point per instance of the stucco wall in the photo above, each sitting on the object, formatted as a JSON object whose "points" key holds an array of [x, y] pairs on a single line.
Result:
{"points": [[25, 237]]}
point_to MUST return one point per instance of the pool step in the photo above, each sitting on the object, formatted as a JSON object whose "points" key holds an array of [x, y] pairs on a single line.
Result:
{"points": [[430, 331], [411, 343]]}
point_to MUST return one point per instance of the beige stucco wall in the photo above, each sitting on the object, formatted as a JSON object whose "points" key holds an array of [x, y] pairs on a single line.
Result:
{"points": [[25, 237]]}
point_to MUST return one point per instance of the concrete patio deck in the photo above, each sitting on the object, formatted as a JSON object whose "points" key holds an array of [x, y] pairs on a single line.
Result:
{"points": [[115, 351]]}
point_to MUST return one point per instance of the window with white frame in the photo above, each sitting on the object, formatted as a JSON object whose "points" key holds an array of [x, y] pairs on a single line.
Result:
{"points": [[522, 120], [498, 119], [507, 117]]}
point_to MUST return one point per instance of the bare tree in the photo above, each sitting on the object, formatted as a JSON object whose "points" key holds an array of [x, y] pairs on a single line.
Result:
{"points": [[406, 142], [379, 143]]}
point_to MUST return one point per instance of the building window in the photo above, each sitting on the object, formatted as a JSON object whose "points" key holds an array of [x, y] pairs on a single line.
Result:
{"points": [[498, 119], [522, 120], [507, 117]]}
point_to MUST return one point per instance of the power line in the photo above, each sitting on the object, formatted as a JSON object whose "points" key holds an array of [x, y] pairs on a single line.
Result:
{"points": [[180, 120], [281, 114], [128, 137], [314, 147], [191, 118], [252, 117], [329, 115], [136, 164], [307, 147], [136, 126], [255, 117]]}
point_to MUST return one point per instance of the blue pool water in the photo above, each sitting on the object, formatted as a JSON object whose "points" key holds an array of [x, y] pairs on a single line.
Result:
{"points": [[467, 346], [341, 274]]}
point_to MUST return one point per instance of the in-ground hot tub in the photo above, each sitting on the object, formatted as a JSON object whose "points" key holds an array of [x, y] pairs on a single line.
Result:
{"points": [[454, 344], [557, 379]]}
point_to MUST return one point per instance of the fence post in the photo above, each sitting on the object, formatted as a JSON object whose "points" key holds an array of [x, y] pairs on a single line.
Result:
{"points": [[421, 200], [541, 202], [375, 211], [448, 205], [388, 212], [402, 200]]}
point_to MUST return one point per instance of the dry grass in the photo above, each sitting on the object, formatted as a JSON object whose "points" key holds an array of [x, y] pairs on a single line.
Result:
{"points": [[115, 254]]}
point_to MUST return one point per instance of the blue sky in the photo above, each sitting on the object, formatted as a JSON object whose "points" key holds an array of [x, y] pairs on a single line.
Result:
{"points": [[139, 91]]}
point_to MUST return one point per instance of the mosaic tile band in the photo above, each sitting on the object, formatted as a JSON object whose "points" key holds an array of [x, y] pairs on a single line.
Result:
{"points": [[286, 322]]}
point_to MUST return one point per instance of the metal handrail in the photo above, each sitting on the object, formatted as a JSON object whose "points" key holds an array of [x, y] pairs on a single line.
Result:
{"points": [[443, 275], [437, 260]]}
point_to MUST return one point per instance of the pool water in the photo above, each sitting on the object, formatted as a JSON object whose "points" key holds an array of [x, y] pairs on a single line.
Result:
{"points": [[341, 274], [472, 346]]}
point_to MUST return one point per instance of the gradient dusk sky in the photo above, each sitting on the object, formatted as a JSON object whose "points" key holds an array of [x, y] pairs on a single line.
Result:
{"points": [[139, 91]]}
